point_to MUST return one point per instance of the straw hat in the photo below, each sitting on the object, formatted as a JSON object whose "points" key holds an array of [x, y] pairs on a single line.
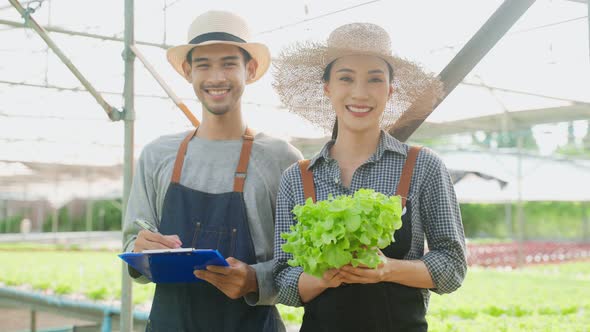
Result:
{"points": [[298, 74], [220, 27]]}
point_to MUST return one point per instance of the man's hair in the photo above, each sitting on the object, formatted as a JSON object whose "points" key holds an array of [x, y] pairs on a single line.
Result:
{"points": [[245, 54]]}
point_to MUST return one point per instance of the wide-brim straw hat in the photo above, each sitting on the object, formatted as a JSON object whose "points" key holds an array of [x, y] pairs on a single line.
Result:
{"points": [[299, 69], [220, 27]]}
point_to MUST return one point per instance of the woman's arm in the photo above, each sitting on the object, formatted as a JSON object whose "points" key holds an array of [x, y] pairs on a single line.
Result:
{"points": [[441, 220], [310, 287], [443, 268], [295, 287], [285, 276], [413, 273]]}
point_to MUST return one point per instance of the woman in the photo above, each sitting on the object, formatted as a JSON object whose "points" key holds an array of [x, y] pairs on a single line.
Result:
{"points": [[364, 88]]}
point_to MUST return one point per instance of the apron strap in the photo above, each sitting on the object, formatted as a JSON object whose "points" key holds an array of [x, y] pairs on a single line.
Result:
{"points": [[403, 188], [180, 157], [240, 177], [307, 177]]}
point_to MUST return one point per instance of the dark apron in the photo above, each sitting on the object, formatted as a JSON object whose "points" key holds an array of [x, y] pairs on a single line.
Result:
{"points": [[208, 221], [384, 306]]}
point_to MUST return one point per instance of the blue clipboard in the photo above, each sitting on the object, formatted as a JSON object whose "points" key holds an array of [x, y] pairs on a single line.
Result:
{"points": [[173, 265]]}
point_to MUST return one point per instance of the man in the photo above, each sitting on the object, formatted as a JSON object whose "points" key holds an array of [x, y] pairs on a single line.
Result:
{"points": [[214, 187]]}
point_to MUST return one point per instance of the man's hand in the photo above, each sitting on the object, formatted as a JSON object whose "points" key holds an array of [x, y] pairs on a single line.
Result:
{"points": [[148, 240], [235, 280]]}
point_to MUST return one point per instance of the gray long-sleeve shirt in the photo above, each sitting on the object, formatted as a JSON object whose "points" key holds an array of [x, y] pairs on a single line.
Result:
{"points": [[210, 166]]}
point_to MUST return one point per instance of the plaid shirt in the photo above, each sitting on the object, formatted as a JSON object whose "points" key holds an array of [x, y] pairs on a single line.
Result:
{"points": [[434, 213]]}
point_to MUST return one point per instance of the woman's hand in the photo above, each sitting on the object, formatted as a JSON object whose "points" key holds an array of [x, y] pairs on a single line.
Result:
{"points": [[366, 275], [310, 287], [331, 279]]}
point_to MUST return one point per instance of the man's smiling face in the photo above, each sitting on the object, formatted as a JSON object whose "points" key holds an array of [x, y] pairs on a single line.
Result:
{"points": [[219, 74]]}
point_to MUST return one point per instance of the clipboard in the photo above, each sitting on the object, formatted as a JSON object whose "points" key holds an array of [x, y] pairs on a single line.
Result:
{"points": [[173, 265]]}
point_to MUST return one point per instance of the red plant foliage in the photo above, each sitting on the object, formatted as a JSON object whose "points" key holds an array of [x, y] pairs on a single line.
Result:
{"points": [[531, 252]]}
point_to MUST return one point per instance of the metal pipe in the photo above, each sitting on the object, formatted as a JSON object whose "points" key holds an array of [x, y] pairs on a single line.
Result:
{"points": [[107, 322], [475, 49], [113, 113], [80, 309], [126, 323], [33, 320], [509, 220], [521, 92], [519, 204], [585, 222], [82, 34], [48, 237], [165, 86], [55, 214], [63, 88], [89, 202]]}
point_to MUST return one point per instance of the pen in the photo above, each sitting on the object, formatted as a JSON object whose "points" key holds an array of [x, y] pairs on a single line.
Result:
{"points": [[146, 225]]}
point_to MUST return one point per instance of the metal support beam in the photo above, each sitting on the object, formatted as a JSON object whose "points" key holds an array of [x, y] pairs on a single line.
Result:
{"points": [[22, 2], [112, 112], [467, 58], [166, 88], [126, 323], [81, 34]]}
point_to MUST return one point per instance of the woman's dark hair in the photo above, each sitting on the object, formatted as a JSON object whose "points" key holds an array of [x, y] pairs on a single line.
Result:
{"points": [[328, 69], [326, 79]]}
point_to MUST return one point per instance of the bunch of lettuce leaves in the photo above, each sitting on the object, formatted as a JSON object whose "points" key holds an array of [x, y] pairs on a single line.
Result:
{"points": [[342, 230]]}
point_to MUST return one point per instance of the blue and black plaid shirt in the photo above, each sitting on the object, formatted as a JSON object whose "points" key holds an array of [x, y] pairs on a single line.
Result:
{"points": [[435, 213]]}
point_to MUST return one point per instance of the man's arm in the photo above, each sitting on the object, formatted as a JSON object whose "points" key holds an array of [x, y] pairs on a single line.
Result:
{"points": [[285, 155], [266, 293], [142, 204]]}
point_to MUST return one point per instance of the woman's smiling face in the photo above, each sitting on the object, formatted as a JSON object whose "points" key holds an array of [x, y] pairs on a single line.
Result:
{"points": [[359, 88]]}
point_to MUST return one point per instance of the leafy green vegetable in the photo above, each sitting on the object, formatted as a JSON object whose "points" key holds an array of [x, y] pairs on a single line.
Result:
{"points": [[342, 230]]}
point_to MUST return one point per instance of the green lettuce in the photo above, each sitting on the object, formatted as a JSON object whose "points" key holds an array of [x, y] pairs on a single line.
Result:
{"points": [[342, 230]]}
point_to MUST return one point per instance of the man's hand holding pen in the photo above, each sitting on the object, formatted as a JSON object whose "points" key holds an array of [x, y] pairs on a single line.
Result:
{"points": [[150, 238]]}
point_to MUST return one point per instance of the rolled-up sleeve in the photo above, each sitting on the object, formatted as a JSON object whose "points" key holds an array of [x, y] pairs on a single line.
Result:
{"points": [[286, 276], [443, 227], [266, 294]]}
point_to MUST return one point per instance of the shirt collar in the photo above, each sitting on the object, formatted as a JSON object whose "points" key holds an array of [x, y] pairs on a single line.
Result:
{"points": [[386, 143]]}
